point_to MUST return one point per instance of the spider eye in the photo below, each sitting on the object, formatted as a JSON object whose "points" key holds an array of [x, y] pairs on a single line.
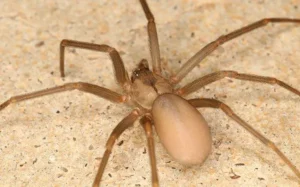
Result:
{"points": [[135, 75]]}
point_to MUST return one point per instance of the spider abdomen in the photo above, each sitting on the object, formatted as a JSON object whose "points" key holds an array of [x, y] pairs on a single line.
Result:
{"points": [[182, 129]]}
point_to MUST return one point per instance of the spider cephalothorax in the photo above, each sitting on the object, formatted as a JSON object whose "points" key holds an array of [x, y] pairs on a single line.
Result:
{"points": [[146, 85]]}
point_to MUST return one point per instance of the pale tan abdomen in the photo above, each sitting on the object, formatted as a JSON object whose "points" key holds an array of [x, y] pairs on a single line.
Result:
{"points": [[181, 129]]}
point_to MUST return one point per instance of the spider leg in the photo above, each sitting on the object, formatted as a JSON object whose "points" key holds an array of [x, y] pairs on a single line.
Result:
{"points": [[213, 103], [120, 72], [207, 79], [85, 87], [118, 130], [146, 123], [209, 48], [153, 38]]}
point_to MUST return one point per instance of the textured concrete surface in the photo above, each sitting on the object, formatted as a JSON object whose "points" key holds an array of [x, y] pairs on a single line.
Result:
{"points": [[58, 140]]}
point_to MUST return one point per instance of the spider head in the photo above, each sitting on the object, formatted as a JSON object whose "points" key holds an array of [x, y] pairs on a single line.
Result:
{"points": [[146, 85], [143, 73]]}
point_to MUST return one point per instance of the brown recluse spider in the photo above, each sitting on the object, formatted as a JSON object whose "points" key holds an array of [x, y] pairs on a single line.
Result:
{"points": [[158, 100]]}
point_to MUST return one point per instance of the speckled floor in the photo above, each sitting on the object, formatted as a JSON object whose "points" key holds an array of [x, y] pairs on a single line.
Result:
{"points": [[58, 140]]}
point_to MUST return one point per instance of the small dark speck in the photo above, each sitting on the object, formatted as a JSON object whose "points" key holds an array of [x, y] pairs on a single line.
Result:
{"points": [[179, 61], [145, 151], [295, 7], [192, 34], [39, 44], [122, 52], [34, 161], [85, 165], [91, 147], [37, 146], [120, 143], [72, 50], [240, 164], [173, 168], [21, 165], [57, 112], [126, 167], [60, 175], [64, 169], [260, 178], [74, 139], [168, 162], [175, 7], [137, 185], [218, 143], [234, 176], [144, 178], [109, 175], [51, 72]]}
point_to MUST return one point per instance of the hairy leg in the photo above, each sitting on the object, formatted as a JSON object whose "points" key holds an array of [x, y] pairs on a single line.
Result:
{"points": [[120, 72], [147, 125], [153, 38], [207, 79], [213, 103], [209, 48], [85, 87], [118, 130]]}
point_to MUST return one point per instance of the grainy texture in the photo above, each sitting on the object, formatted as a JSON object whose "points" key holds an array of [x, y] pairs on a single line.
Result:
{"points": [[57, 140]]}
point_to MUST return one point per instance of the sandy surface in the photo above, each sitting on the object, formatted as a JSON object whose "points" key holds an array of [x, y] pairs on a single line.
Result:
{"points": [[58, 140]]}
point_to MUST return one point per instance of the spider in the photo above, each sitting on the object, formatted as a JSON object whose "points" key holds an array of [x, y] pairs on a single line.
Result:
{"points": [[158, 100]]}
